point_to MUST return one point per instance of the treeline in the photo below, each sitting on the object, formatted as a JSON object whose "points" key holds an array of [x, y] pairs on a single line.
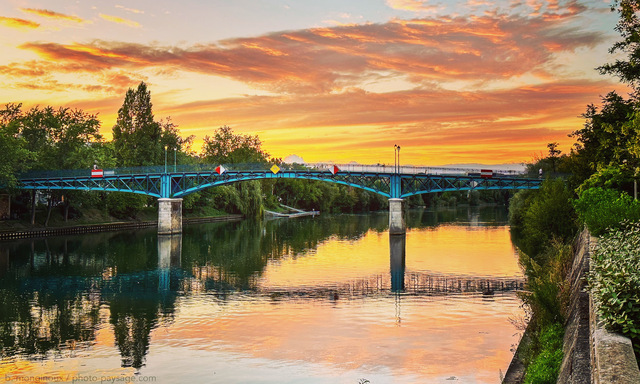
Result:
{"points": [[63, 138], [594, 185]]}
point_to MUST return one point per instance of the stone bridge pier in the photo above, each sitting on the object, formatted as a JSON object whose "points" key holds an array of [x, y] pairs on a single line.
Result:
{"points": [[169, 216], [397, 224]]}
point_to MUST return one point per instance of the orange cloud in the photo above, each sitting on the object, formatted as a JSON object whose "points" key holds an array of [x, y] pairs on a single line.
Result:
{"points": [[52, 14], [13, 22], [335, 59], [120, 20]]}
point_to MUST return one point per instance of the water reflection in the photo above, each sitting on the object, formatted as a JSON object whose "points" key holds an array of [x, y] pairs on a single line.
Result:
{"points": [[397, 254], [217, 286]]}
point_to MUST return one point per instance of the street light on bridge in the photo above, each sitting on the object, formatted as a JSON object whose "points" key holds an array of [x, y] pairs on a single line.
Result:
{"points": [[396, 157]]}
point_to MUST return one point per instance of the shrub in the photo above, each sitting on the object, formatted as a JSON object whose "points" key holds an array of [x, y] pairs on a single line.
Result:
{"points": [[602, 208], [545, 366], [615, 282], [543, 216]]}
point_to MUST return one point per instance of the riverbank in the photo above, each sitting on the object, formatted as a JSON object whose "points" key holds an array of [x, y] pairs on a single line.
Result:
{"points": [[91, 223]]}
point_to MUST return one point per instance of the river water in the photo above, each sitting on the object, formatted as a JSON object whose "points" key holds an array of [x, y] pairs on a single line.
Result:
{"points": [[329, 299]]}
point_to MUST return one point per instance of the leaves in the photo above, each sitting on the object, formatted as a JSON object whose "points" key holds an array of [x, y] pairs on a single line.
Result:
{"points": [[614, 279]]}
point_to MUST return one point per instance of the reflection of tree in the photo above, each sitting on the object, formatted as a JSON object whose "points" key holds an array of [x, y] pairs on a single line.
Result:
{"points": [[133, 318], [52, 292], [231, 256], [38, 322]]}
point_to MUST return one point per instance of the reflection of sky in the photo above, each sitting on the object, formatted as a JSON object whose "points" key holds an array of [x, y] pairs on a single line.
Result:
{"points": [[449, 249], [247, 338], [433, 339]]}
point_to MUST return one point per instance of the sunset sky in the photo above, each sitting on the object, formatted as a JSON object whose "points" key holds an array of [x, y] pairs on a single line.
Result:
{"points": [[468, 81]]}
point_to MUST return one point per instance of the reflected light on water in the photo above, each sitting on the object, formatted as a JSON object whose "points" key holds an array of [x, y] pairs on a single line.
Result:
{"points": [[238, 303]]}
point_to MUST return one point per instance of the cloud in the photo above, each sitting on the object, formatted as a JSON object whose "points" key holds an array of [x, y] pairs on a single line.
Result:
{"points": [[52, 14], [13, 22], [120, 20], [413, 5], [329, 60], [132, 10]]}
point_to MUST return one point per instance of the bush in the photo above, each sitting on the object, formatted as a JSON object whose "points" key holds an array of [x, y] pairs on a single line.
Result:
{"points": [[545, 366], [602, 208], [543, 216], [546, 295], [615, 282]]}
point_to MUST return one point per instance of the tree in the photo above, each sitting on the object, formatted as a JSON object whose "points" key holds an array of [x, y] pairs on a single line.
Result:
{"points": [[136, 136], [627, 69], [554, 154], [14, 156], [226, 147]]}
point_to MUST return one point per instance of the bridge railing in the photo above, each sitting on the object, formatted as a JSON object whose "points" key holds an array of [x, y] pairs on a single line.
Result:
{"points": [[192, 168]]}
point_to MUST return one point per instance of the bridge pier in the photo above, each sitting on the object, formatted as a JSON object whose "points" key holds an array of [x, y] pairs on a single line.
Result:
{"points": [[169, 216], [397, 225]]}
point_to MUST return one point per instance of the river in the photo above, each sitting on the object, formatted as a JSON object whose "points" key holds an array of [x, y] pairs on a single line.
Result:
{"points": [[328, 299]]}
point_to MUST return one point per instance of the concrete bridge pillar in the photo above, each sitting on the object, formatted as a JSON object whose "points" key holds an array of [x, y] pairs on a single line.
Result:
{"points": [[169, 216], [396, 217]]}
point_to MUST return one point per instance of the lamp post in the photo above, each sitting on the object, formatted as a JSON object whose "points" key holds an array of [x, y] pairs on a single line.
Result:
{"points": [[165, 159], [395, 158], [175, 159]]}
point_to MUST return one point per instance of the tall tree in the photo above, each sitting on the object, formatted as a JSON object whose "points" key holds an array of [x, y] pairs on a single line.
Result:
{"points": [[626, 68], [136, 136]]}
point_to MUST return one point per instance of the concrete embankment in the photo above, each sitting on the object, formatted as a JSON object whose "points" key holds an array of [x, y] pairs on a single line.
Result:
{"points": [[591, 354], [92, 228]]}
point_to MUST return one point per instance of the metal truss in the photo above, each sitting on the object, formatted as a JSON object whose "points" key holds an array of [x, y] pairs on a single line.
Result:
{"points": [[419, 184], [150, 185], [180, 184]]}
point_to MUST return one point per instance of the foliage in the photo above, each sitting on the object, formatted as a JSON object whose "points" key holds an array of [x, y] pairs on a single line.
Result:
{"points": [[545, 366], [226, 147], [543, 216], [615, 282], [603, 139], [13, 153], [547, 292], [125, 205], [136, 135], [627, 69], [602, 208]]}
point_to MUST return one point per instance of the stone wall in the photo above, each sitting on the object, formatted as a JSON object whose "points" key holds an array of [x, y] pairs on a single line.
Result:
{"points": [[576, 362], [591, 353]]}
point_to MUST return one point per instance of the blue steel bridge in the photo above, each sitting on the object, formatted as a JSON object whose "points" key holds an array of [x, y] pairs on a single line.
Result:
{"points": [[171, 183]]}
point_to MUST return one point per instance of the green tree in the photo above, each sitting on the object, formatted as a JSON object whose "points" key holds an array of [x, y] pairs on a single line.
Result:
{"points": [[627, 65], [554, 155], [136, 135], [14, 156], [227, 147]]}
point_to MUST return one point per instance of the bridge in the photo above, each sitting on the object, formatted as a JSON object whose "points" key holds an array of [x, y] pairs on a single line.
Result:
{"points": [[171, 183]]}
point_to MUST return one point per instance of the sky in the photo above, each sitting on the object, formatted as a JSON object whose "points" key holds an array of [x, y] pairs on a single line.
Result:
{"points": [[450, 81]]}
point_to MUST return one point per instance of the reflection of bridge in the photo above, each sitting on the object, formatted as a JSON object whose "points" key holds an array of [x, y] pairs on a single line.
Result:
{"points": [[171, 277], [170, 185]]}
